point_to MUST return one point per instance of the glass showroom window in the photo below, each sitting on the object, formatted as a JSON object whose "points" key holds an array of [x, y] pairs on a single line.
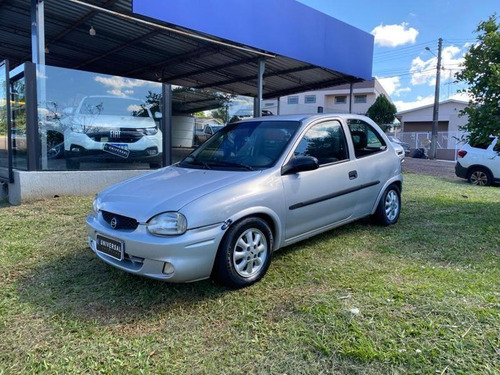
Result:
{"points": [[92, 121], [293, 100]]}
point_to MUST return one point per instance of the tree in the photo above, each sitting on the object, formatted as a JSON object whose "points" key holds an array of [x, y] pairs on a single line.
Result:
{"points": [[481, 73], [383, 112]]}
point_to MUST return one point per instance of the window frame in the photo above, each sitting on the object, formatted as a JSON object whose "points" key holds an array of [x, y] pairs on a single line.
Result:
{"points": [[292, 98], [357, 101], [340, 96], [306, 97], [375, 131], [304, 132]]}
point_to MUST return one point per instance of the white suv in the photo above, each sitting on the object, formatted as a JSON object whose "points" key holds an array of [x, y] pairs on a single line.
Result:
{"points": [[480, 164], [110, 127]]}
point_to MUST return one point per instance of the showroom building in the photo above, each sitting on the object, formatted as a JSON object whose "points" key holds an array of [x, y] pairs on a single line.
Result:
{"points": [[92, 92]]}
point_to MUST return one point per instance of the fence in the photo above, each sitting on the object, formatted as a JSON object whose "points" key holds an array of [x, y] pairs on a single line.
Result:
{"points": [[448, 143]]}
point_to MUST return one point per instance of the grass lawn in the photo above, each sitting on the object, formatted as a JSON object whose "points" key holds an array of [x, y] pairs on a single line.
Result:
{"points": [[427, 291]]}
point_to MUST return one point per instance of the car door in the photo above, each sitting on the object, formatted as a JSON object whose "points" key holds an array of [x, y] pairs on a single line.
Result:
{"points": [[373, 162], [323, 197]]}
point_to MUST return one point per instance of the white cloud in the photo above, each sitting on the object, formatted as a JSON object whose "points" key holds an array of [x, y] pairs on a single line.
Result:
{"points": [[394, 35], [424, 71], [421, 101], [120, 86], [393, 85]]}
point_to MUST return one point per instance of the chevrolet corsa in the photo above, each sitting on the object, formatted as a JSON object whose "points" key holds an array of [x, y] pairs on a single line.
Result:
{"points": [[254, 187]]}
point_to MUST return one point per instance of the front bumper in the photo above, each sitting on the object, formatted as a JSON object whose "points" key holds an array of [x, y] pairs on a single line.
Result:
{"points": [[191, 254], [460, 171]]}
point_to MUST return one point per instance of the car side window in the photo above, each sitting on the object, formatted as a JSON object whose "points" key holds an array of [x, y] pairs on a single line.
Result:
{"points": [[325, 141], [366, 139]]}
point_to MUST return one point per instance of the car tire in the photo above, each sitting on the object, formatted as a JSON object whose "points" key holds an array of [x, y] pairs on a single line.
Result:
{"points": [[479, 176], [389, 207], [154, 165], [244, 254]]}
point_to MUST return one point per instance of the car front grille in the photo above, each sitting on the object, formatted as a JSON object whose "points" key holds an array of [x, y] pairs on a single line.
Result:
{"points": [[121, 222], [122, 135]]}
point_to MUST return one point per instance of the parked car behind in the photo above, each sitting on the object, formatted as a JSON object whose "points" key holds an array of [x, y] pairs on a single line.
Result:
{"points": [[405, 145], [110, 127], [480, 164], [208, 130], [251, 189]]}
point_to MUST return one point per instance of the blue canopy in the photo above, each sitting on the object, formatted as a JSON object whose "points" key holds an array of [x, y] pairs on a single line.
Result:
{"points": [[283, 27]]}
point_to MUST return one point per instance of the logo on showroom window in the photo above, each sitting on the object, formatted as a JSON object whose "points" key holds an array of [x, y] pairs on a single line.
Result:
{"points": [[114, 223], [114, 133]]}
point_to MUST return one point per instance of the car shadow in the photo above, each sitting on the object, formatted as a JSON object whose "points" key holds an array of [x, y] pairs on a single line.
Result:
{"points": [[83, 287]]}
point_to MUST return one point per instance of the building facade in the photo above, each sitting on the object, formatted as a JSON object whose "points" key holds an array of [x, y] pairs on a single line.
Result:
{"points": [[330, 100], [416, 127]]}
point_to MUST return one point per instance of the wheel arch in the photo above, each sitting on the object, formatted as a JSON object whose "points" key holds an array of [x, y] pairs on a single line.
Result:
{"points": [[266, 214], [398, 181], [479, 166]]}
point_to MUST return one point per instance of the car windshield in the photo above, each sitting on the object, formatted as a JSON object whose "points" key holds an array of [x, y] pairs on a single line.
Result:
{"points": [[113, 107], [394, 139], [244, 146]]}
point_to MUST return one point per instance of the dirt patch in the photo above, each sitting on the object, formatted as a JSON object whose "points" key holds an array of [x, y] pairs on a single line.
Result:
{"points": [[438, 168]]}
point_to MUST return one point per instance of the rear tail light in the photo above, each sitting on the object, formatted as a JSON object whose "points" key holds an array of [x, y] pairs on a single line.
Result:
{"points": [[462, 153]]}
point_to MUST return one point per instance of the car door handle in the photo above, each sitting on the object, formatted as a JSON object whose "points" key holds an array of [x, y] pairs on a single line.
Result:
{"points": [[353, 175]]}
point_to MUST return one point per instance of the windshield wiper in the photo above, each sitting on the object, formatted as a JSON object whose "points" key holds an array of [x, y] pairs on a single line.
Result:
{"points": [[195, 161], [232, 164]]}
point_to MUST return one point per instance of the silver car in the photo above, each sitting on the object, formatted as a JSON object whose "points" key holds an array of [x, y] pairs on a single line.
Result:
{"points": [[251, 189]]}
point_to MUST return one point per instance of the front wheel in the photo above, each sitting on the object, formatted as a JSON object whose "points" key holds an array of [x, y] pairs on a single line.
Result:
{"points": [[389, 207], [244, 254]]}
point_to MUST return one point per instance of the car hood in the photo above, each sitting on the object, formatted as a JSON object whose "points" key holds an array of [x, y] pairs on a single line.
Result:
{"points": [[167, 189], [113, 121]]}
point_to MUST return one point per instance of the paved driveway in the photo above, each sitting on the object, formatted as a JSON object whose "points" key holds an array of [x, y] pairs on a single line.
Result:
{"points": [[438, 168]]}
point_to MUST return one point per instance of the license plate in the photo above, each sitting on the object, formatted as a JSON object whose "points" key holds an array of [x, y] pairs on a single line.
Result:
{"points": [[117, 149], [111, 247]]}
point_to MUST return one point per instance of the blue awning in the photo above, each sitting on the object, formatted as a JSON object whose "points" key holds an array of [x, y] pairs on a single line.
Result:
{"points": [[283, 27]]}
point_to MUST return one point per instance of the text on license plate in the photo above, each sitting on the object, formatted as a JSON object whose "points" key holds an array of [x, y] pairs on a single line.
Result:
{"points": [[111, 247]]}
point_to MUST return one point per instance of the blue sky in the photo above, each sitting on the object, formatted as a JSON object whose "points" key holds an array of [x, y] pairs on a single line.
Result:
{"points": [[403, 29]]}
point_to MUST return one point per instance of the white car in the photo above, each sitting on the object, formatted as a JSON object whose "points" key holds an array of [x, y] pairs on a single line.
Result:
{"points": [[110, 127], [480, 164]]}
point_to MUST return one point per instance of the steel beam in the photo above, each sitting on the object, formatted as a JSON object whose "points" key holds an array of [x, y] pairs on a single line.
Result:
{"points": [[252, 77]]}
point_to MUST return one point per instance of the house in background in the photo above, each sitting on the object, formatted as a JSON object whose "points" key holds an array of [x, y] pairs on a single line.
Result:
{"points": [[333, 99], [416, 127]]}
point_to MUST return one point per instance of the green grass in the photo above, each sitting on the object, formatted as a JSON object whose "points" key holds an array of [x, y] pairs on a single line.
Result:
{"points": [[427, 290]]}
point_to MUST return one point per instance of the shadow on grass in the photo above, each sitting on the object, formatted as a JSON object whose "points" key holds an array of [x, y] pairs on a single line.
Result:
{"points": [[78, 284], [82, 286]]}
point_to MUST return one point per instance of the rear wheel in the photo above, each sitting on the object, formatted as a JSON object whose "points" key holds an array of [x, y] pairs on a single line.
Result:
{"points": [[479, 176], [244, 254], [389, 207]]}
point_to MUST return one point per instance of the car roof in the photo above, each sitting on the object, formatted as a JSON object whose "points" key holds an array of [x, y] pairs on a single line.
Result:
{"points": [[308, 117]]}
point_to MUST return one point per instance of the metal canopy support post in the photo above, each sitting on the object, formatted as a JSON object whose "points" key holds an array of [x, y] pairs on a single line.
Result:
{"points": [[37, 32], [278, 110], [257, 108], [38, 58], [350, 96], [166, 122]]}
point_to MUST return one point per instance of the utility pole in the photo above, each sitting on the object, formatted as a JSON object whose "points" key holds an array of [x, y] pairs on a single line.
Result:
{"points": [[435, 115]]}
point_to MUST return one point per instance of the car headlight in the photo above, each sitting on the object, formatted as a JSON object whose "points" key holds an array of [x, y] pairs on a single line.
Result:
{"points": [[149, 131], [96, 206], [77, 128], [167, 224]]}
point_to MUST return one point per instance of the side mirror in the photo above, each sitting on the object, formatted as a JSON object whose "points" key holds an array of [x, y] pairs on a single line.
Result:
{"points": [[68, 111], [300, 164], [158, 115]]}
